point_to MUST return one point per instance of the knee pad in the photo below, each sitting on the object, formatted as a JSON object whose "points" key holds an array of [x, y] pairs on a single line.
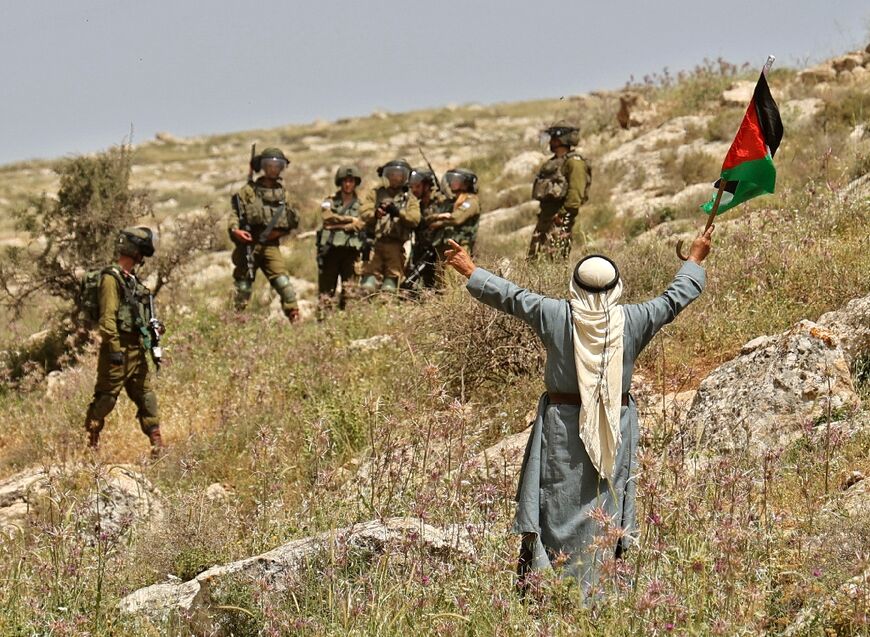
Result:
{"points": [[390, 284], [281, 284], [369, 282], [244, 290], [101, 406]]}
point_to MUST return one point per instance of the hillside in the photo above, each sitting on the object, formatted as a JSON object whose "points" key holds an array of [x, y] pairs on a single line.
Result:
{"points": [[280, 433]]}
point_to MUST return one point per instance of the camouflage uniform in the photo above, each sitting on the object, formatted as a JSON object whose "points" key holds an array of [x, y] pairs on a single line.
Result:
{"points": [[339, 244], [424, 236], [259, 203], [122, 362], [461, 226], [390, 234], [561, 188]]}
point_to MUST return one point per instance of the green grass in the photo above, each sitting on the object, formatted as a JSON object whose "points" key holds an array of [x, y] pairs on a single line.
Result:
{"points": [[286, 416]]}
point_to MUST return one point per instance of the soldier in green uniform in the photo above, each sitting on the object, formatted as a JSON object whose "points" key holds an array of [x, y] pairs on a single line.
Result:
{"points": [[340, 240], [423, 255], [262, 216], [461, 217], [390, 212], [561, 187], [125, 341]]}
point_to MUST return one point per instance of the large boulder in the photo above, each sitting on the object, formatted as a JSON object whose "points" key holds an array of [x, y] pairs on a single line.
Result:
{"points": [[524, 165], [195, 602], [851, 324], [777, 385], [115, 497]]}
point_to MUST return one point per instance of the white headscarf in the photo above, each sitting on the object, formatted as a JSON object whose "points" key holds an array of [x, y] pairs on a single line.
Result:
{"points": [[598, 327]]}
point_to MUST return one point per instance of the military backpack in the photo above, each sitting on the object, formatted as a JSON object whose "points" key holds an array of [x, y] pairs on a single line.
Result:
{"points": [[89, 292], [551, 183]]}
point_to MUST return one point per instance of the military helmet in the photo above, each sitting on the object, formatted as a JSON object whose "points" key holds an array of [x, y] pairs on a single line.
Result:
{"points": [[567, 133], [136, 241], [344, 172], [270, 154], [395, 165], [463, 174], [419, 175]]}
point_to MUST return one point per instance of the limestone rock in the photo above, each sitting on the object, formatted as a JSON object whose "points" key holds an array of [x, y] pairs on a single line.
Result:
{"points": [[817, 74], [371, 343], [194, 602], [847, 62], [525, 210], [851, 324], [802, 111], [850, 599], [524, 165], [764, 397], [504, 458], [738, 94], [118, 496]]}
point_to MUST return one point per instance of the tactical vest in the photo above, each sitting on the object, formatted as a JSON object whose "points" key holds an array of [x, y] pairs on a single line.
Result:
{"points": [[439, 236], [133, 310], [551, 183], [467, 233], [437, 204], [339, 238], [260, 204], [392, 228]]}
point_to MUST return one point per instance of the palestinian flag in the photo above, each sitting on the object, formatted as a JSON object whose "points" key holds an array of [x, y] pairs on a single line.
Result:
{"points": [[748, 168]]}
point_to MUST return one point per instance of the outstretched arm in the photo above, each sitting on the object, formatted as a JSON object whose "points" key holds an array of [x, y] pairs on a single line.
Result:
{"points": [[501, 294], [645, 319]]}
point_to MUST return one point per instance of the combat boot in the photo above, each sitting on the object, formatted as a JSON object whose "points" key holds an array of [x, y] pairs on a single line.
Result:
{"points": [[157, 446], [93, 427]]}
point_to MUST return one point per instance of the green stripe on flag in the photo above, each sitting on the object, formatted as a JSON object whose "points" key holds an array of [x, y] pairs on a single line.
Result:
{"points": [[754, 178]]}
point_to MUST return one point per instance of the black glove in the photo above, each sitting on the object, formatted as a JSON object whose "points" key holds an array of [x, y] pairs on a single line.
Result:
{"points": [[116, 358]]}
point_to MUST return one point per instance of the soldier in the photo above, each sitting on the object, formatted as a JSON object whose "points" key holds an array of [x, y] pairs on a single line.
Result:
{"points": [[125, 340], [341, 238], [561, 186], [262, 216], [390, 212], [423, 256], [461, 219]]}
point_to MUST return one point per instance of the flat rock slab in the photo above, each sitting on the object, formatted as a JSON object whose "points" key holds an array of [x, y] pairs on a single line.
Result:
{"points": [[193, 602]]}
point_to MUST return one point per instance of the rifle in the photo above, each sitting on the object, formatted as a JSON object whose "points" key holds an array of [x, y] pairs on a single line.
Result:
{"points": [[244, 224], [426, 259], [431, 170], [155, 327]]}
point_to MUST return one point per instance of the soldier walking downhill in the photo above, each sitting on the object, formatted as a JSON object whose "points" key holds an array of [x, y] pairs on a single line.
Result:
{"points": [[561, 187], [262, 216], [340, 240], [391, 212], [124, 316]]}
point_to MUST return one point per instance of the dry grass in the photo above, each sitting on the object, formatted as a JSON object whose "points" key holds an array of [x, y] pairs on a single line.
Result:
{"points": [[310, 434]]}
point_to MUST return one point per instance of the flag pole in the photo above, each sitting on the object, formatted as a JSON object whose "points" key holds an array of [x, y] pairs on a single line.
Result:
{"points": [[712, 216]]}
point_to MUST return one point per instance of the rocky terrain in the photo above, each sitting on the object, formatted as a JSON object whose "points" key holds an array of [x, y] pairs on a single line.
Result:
{"points": [[357, 476]]}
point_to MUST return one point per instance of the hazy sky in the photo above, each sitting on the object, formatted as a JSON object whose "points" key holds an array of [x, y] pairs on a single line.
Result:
{"points": [[78, 74]]}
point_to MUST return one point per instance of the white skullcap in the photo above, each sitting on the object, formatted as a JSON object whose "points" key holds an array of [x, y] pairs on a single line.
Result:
{"points": [[596, 273]]}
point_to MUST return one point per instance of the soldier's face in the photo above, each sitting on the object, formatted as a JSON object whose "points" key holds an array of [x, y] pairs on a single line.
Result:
{"points": [[457, 185], [348, 185], [554, 143], [417, 189], [395, 178]]}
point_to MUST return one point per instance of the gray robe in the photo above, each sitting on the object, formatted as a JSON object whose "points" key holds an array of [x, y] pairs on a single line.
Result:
{"points": [[558, 485]]}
